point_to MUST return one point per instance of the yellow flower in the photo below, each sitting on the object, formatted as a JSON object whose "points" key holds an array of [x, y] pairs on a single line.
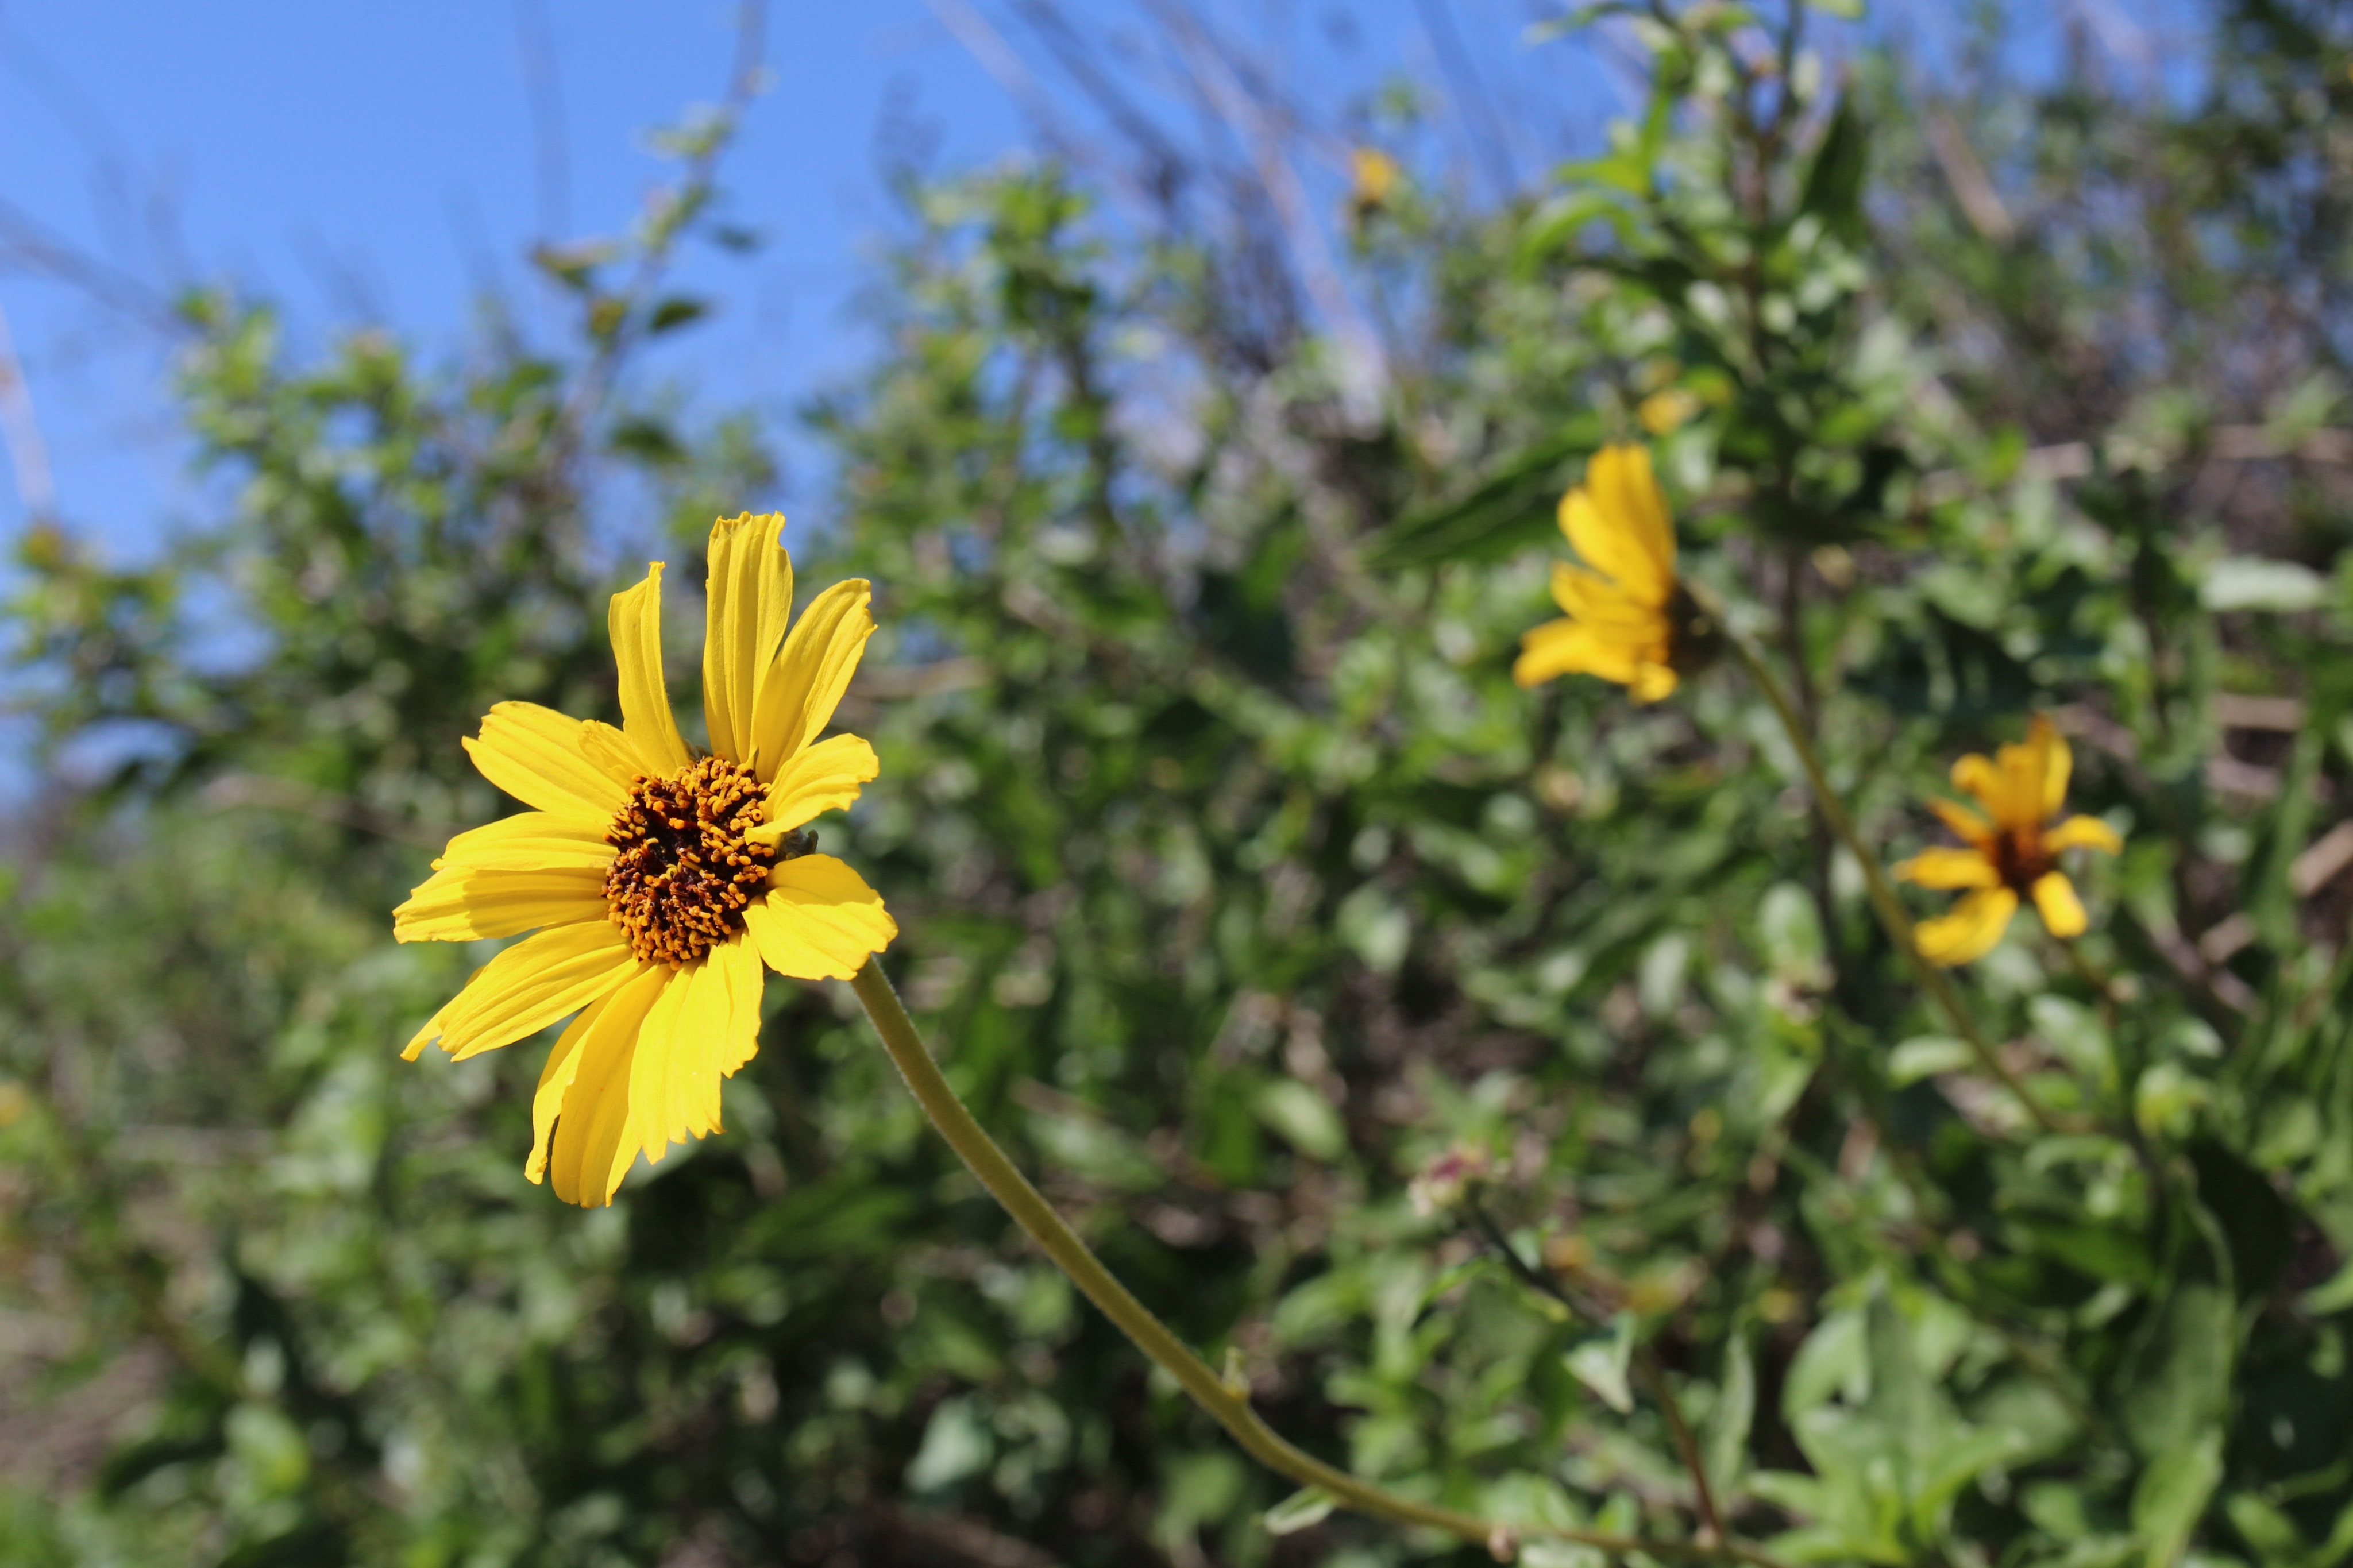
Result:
{"points": [[1665, 412], [1373, 178], [658, 880], [1628, 620], [2010, 853]]}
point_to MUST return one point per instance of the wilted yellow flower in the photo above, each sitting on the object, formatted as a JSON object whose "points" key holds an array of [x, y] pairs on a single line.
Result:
{"points": [[657, 879], [2010, 853], [1628, 620], [1373, 178]]}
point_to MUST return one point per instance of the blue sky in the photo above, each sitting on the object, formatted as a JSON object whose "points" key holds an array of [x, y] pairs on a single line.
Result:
{"points": [[378, 161], [364, 160]]}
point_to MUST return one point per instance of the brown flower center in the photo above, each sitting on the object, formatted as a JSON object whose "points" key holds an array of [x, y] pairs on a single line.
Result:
{"points": [[686, 871], [1693, 639], [2019, 858]]}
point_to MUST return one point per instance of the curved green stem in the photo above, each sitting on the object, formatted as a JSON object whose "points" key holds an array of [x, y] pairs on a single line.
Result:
{"points": [[1228, 1403], [1882, 891]]}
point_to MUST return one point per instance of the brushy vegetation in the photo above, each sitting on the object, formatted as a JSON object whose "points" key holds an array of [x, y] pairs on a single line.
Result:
{"points": [[1239, 884]]}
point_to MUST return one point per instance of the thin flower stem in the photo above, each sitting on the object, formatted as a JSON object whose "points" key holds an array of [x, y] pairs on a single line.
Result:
{"points": [[1881, 892], [1646, 1365], [1227, 1401]]}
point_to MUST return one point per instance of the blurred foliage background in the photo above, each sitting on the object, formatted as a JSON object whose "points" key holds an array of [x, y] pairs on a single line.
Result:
{"points": [[1205, 496]]}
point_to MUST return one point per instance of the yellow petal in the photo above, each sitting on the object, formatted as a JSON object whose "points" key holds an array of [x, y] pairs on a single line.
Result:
{"points": [[2083, 832], [464, 903], [819, 778], [1572, 647], [799, 689], [2063, 911], [593, 1147], [534, 754], [1652, 683], [1950, 869], [618, 755], [706, 1033], [534, 983], [2058, 762], [2023, 767], [532, 841], [634, 620], [1970, 930], [1962, 820], [738, 963], [430, 1030], [818, 920], [658, 1087], [555, 1079], [1600, 604], [692, 1038], [750, 598], [1979, 775], [1618, 521]]}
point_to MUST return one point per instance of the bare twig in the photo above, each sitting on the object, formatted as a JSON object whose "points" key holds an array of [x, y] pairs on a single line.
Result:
{"points": [[551, 143], [1365, 366], [29, 455]]}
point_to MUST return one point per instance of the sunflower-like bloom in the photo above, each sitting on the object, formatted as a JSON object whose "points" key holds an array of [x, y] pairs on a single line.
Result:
{"points": [[1628, 620], [657, 879], [2010, 854]]}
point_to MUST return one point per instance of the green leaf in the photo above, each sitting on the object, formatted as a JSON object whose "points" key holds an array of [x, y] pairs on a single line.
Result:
{"points": [[649, 440], [2249, 583], [677, 310], [1925, 1055], [2257, 1224], [1299, 1510], [1374, 928], [1834, 1360], [1303, 1117], [1601, 1364], [1726, 1446], [957, 1442], [2171, 1497], [2331, 1297], [1582, 17], [1834, 181], [2272, 1533], [1559, 221], [2178, 1387], [1448, 1277], [1514, 506]]}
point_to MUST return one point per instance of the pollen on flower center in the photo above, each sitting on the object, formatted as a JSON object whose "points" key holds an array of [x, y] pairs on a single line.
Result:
{"points": [[686, 869]]}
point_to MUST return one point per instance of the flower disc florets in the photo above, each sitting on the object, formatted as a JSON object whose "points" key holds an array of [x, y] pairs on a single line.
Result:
{"points": [[2021, 858], [686, 868]]}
